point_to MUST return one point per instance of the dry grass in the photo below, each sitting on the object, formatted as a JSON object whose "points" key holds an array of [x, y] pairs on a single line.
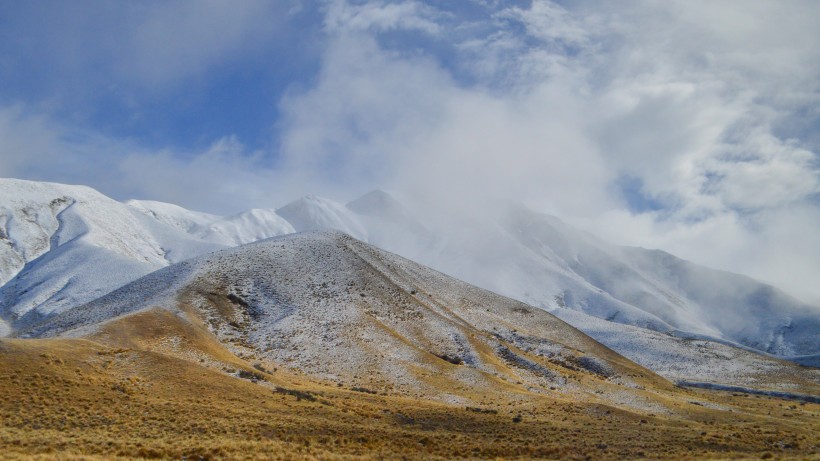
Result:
{"points": [[155, 385], [78, 399]]}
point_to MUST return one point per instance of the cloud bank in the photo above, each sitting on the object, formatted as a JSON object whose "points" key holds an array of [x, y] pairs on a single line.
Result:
{"points": [[685, 125]]}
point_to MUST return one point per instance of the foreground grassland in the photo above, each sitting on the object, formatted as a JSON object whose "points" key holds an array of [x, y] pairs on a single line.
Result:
{"points": [[79, 399]]}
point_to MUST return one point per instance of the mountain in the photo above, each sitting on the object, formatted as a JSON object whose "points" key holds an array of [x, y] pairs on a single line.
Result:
{"points": [[689, 361], [540, 260], [340, 310], [190, 222], [319, 345], [238, 229], [61, 246], [37, 217], [329, 305], [315, 213], [670, 294], [64, 245]]}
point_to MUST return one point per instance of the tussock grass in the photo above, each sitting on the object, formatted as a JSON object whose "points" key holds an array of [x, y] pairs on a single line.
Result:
{"points": [[155, 385], [78, 399]]}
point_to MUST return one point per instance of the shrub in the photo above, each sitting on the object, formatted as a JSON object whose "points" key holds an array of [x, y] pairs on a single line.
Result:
{"points": [[252, 375]]}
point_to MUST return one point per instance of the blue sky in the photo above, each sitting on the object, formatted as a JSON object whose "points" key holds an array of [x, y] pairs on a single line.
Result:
{"points": [[692, 126], [131, 71]]}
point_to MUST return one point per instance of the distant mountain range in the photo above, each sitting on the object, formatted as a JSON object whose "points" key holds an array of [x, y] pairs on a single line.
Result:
{"points": [[67, 246]]}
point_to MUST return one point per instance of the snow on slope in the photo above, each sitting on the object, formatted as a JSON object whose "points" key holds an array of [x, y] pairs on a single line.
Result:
{"points": [[247, 227], [238, 229], [316, 213], [504, 260], [339, 309], [696, 360], [65, 245], [36, 217], [191, 222], [690, 298], [539, 260], [743, 310], [528, 256]]}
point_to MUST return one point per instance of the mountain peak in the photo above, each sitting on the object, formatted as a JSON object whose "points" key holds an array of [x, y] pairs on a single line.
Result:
{"points": [[317, 213], [375, 202]]}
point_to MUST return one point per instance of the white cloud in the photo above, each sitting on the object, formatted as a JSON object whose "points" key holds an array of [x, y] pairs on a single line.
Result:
{"points": [[378, 118], [670, 93], [224, 178], [766, 173], [549, 22], [545, 103], [35, 146], [180, 39], [380, 16], [366, 106]]}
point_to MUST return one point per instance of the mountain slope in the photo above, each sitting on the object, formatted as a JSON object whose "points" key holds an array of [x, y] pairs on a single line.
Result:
{"points": [[38, 217], [234, 230], [63, 245], [692, 360], [57, 256], [540, 260], [340, 310], [691, 299], [317, 213], [191, 222], [131, 392], [745, 311]]}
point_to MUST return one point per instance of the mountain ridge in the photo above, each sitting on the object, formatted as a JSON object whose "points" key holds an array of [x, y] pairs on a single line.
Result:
{"points": [[534, 258], [338, 309]]}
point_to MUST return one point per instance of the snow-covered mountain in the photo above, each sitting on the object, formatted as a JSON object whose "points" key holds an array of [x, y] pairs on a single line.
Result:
{"points": [[363, 343], [61, 246], [238, 229], [540, 260], [547, 263], [340, 310], [313, 213]]}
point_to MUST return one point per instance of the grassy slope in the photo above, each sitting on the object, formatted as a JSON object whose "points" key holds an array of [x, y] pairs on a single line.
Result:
{"points": [[153, 385]]}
